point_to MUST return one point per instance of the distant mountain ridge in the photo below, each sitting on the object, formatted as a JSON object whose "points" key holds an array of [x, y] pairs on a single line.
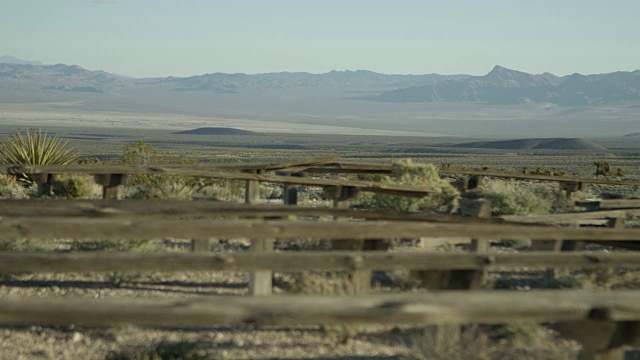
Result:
{"points": [[542, 105], [57, 77], [501, 86], [504, 86], [8, 59]]}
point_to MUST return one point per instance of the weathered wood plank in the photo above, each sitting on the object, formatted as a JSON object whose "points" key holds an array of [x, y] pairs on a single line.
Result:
{"points": [[568, 218], [610, 204], [212, 169], [105, 208], [148, 208], [201, 245], [78, 228], [260, 282], [355, 167], [302, 261], [160, 168], [446, 307], [392, 189], [252, 189]]}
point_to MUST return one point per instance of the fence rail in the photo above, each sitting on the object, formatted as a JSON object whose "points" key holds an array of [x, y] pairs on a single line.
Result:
{"points": [[116, 228], [363, 168], [199, 171], [304, 261], [447, 307]]}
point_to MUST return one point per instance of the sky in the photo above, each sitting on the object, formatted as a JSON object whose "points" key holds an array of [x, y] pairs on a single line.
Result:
{"points": [[148, 38]]}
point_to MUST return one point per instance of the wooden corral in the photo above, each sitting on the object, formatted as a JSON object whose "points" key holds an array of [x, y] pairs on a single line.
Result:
{"points": [[603, 321]]}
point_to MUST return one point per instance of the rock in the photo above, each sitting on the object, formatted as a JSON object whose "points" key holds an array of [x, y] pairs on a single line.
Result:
{"points": [[76, 337]]}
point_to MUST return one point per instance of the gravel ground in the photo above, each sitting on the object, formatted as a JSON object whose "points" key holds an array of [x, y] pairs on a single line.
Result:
{"points": [[246, 342], [37, 342]]}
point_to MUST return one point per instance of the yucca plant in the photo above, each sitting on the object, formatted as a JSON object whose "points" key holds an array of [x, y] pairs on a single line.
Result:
{"points": [[35, 148]]}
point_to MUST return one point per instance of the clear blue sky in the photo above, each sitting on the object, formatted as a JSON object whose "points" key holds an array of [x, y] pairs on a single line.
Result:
{"points": [[188, 37]]}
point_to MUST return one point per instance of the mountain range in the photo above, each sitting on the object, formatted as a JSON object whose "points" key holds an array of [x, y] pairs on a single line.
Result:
{"points": [[500, 86], [503, 86], [540, 105]]}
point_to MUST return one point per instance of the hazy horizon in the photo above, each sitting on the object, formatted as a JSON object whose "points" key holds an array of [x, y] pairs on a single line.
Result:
{"points": [[142, 38]]}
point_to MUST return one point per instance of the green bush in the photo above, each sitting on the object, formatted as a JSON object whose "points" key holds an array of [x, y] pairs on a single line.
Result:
{"points": [[182, 350], [405, 172], [74, 187], [168, 189], [11, 189], [523, 198], [149, 186]]}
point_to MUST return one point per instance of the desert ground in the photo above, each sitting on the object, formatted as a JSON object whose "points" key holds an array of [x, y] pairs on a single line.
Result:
{"points": [[103, 135]]}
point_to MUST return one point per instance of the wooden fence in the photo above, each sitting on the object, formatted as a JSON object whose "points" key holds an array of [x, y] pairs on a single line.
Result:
{"points": [[111, 177], [603, 321]]}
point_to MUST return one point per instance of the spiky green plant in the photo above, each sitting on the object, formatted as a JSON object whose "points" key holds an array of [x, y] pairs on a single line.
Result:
{"points": [[35, 148]]}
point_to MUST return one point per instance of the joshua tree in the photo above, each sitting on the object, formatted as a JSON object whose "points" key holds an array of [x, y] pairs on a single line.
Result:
{"points": [[602, 168]]}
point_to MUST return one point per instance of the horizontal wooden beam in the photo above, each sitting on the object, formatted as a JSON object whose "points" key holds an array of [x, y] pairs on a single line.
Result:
{"points": [[507, 175], [569, 217], [610, 204], [447, 307], [354, 167], [95, 169], [367, 186], [303, 261], [329, 165], [149, 208], [140, 228]]}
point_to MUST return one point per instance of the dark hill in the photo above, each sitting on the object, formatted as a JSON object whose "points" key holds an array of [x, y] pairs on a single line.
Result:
{"points": [[541, 144], [216, 131]]}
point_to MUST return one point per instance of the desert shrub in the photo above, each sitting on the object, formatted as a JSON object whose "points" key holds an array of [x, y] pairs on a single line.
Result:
{"points": [[10, 188], [133, 245], [75, 186], [508, 198], [176, 188], [168, 189], [506, 342], [405, 172], [150, 186], [602, 168], [271, 191], [140, 153], [183, 350]]}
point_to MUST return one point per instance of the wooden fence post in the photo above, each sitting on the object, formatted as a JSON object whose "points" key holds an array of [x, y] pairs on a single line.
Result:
{"points": [[461, 279], [442, 337], [260, 282], [602, 339], [252, 188], [290, 191], [341, 195], [200, 245], [44, 182], [111, 185], [570, 187], [468, 183]]}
